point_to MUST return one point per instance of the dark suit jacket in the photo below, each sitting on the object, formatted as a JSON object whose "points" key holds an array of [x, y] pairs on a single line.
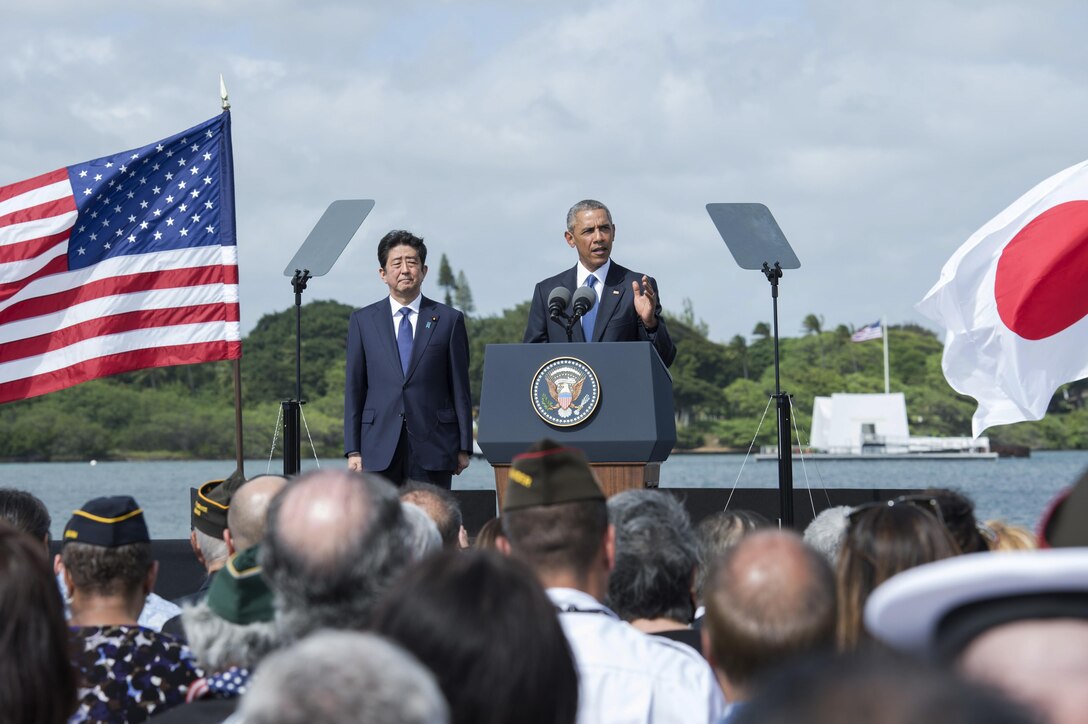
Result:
{"points": [[433, 398], [617, 320]]}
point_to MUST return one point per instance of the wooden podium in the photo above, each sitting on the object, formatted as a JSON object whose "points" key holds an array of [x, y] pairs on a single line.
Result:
{"points": [[630, 433], [614, 477]]}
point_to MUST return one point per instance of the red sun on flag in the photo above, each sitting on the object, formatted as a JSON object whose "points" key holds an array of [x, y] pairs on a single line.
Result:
{"points": [[1042, 274]]}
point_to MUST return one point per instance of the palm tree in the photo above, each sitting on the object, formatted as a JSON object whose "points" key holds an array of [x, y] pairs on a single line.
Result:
{"points": [[812, 324], [762, 330], [740, 346]]}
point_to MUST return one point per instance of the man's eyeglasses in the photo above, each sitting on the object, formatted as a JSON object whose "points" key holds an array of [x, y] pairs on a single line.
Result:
{"points": [[924, 502]]}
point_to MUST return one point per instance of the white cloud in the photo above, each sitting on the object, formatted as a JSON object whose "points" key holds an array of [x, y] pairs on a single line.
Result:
{"points": [[879, 134]]}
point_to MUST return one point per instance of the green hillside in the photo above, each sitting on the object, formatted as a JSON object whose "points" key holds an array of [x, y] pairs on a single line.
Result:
{"points": [[721, 392]]}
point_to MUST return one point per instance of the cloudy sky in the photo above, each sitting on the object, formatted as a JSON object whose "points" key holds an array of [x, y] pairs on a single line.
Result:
{"points": [[879, 134]]}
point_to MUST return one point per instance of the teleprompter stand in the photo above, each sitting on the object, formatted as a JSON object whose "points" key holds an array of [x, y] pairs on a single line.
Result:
{"points": [[315, 258], [756, 242]]}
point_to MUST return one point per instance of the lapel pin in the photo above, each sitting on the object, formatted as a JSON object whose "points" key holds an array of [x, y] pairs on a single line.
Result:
{"points": [[616, 292], [433, 320]]}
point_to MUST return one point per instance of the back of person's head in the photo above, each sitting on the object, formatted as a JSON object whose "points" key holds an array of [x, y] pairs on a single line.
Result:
{"points": [[958, 514], [826, 531], [213, 551], [99, 571], [554, 514], [234, 625], [567, 537], [25, 512], [769, 600], [881, 540], [247, 516], [441, 505], [483, 624], [1009, 537], [874, 686], [339, 677], [717, 533], [37, 683], [336, 540], [656, 557], [423, 536], [485, 537]]}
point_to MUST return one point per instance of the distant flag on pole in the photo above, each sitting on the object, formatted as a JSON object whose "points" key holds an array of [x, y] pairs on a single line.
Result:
{"points": [[121, 263], [869, 331], [1013, 300]]}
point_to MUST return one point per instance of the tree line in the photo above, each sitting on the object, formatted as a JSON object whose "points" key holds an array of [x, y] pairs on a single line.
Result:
{"points": [[721, 391]]}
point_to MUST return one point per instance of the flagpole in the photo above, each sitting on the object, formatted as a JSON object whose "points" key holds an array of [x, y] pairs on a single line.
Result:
{"points": [[884, 334], [236, 366]]}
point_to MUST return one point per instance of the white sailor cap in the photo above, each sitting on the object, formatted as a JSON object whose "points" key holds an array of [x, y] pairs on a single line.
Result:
{"points": [[935, 610]]}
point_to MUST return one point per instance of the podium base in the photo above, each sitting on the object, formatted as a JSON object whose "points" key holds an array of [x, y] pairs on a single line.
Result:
{"points": [[614, 477]]}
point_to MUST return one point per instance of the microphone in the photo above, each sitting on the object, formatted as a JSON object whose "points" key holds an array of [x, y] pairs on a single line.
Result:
{"points": [[583, 301], [558, 300]]}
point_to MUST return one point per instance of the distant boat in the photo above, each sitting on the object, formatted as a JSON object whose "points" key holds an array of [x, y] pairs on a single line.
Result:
{"points": [[874, 427]]}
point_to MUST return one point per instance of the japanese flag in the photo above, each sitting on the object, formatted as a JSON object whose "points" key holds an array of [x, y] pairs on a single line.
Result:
{"points": [[1013, 300]]}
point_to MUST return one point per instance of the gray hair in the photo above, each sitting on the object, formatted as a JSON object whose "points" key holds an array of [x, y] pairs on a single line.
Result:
{"points": [[826, 532], [423, 536], [656, 557], [219, 644], [213, 549], [343, 676], [585, 205], [335, 542]]}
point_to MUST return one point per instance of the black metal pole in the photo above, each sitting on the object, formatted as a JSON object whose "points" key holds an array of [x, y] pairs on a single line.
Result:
{"points": [[292, 409], [785, 448]]}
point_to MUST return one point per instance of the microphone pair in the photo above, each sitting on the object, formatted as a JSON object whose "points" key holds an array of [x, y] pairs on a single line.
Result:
{"points": [[580, 302]]}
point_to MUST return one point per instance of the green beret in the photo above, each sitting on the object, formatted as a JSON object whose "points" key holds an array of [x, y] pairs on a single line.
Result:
{"points": [[548, 474], [210, 502], [239, 593], [108, 522]]}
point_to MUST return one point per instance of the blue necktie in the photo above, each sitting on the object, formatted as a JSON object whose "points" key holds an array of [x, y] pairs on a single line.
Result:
{"points": [[404, 340], [591, 316]]}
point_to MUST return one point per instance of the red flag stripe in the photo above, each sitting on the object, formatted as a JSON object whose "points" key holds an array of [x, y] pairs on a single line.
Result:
{"points": [[12, 190], [117, 363], [173, 278], [132, 341], [31, 248], [44, 210], [127, 322], [56, 265]]}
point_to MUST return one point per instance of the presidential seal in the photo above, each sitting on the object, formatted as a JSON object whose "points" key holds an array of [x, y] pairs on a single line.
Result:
{"points": [[565, 392]]}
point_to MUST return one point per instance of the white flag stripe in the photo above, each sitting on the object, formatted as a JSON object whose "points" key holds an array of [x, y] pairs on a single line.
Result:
{"points": [[118, 343], [33, 197], [17, 233], [19, 270], [213, 293], [199, 256]]}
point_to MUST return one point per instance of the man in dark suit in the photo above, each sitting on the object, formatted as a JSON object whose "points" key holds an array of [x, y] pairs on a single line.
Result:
{"points": [[407, 410], [628, 307]]}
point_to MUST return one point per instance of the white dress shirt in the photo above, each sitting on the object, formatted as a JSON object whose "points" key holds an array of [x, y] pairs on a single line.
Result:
{"points": [[581, 274], [628, 677], [396, 306]]}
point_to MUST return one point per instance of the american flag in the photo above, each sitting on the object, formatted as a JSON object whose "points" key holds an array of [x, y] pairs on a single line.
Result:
{"points": [[120, 263], [869, 331]]}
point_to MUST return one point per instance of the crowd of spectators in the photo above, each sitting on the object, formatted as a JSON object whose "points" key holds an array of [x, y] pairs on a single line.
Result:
{"points": [[337, 597]]}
